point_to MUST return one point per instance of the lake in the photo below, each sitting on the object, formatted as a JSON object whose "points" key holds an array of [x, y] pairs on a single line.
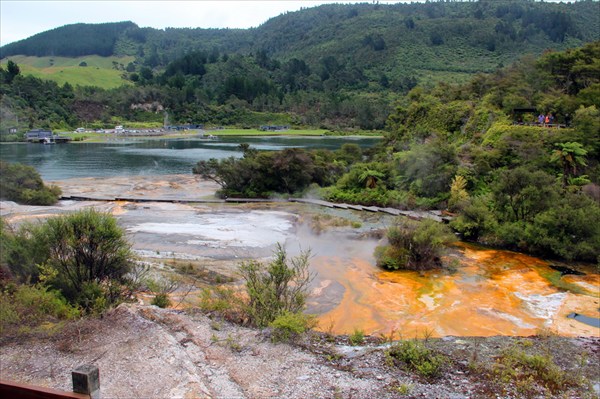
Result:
{"points": [[152, 156]]}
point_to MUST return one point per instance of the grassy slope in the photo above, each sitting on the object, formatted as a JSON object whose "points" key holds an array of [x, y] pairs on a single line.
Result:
{"points": [[99, 72]]}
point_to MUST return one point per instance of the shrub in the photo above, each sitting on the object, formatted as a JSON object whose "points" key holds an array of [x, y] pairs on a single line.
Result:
{"points": [[29, 306], [23, 184], [357, 337], [22, 250], [223, 301], [414, 245], [161, 289], [417, 357], [161, 300], [458, 193], [570, 230], [475, 219], [290, 325], [86, 247], [531, 373], [277, 288]]}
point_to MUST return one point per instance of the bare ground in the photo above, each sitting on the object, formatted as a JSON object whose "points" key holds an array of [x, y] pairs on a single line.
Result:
{"points": [[147, 352]]}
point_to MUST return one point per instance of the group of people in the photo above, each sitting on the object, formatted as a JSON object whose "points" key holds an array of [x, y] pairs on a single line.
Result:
{"points": [[545, 120]]}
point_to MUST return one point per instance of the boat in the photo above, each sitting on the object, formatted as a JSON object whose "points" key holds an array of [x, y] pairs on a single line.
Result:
{"points": [[48, 141]]}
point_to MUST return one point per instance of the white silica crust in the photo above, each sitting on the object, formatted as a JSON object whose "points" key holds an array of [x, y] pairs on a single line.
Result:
{"points": [[249, 229]]}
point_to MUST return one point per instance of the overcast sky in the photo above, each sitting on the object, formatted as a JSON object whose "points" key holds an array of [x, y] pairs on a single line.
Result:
{"points": [[20, 19]]}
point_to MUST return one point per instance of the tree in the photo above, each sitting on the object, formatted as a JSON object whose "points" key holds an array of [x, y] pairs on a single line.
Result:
{"points": [[569, 156], [570, 229], [293, 169], [458, 193], [86, 247], [520, 194], [12, 70], [370, 177]]}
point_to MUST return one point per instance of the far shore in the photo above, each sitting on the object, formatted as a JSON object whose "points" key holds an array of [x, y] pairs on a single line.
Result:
{"points": [[94, 136]]}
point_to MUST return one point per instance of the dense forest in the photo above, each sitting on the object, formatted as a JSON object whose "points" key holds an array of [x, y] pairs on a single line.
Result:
{"points": [[371, 37], [334, 66], [71, 41]]}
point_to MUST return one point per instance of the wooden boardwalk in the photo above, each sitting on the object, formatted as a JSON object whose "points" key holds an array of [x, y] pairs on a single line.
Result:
{"points": [[417, 215]]}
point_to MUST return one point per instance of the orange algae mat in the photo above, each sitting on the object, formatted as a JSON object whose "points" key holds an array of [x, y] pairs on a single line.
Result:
{"points": [[490, 293]]}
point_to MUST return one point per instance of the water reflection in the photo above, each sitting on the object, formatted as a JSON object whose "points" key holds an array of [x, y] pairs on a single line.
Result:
{"points": [[149, 157]]}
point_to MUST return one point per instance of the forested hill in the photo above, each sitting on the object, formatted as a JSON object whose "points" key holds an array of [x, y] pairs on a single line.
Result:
{"points": [[397, 40], [71, 41]]}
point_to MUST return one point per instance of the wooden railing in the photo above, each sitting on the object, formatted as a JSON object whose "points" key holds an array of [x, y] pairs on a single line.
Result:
{"points": [[86, 385], [15, 390]]}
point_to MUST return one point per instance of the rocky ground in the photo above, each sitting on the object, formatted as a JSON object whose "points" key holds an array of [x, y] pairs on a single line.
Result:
{"points": [[147, 352]]}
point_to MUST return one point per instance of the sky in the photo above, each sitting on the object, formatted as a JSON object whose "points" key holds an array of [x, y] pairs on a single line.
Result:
{"points": [[20, 19]]}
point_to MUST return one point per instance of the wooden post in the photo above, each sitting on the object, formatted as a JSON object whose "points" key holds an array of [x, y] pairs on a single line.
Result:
{"points": [[86, 380]]}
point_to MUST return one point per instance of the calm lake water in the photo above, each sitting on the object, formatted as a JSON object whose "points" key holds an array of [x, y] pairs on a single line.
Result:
{"points": [[150, 157]]}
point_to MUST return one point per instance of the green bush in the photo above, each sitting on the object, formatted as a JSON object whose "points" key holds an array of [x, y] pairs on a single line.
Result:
{"points": [[391, 257], [414, 245], [531, 373], [475, 219], [22, 250], [288, 325], [84, 255], [161, 289], [23, 184], [86, 247], [276, 288], [357, 337], [372, 197], [417, 357], [570, 229], [93, 297], [27, 307], [161, 300], [223, 301]]}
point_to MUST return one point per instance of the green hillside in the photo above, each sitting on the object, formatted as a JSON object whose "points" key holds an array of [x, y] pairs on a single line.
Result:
{"points": [[71, 41], [98, 71], [449, 39], [339, 67]]}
